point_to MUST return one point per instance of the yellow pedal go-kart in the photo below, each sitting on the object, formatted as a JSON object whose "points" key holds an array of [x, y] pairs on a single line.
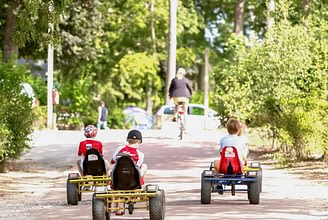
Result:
{"points": [[94, 176], [127, 193]]}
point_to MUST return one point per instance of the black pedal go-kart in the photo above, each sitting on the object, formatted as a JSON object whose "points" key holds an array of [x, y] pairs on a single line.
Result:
{"points": [[94, 175], [127, 194], [231, 177]]}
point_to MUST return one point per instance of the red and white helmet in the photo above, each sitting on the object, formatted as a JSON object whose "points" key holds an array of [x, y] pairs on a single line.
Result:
{"points": [[90, 131]]}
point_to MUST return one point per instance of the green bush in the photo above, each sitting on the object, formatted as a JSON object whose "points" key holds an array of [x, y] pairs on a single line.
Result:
{"points": [[16, 115]]}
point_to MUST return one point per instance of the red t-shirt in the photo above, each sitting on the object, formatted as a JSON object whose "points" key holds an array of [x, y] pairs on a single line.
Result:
{"points": [[88, 144], [134, 153]]}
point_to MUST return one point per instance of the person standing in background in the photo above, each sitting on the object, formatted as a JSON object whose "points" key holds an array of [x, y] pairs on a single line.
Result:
{"points": [[102, 116]]}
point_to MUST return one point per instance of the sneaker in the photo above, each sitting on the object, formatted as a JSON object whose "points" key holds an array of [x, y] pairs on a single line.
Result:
{"points": [[119, 212], [85, 188]]}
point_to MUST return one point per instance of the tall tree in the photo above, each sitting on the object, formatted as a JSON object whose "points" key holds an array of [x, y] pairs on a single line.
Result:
{"points": [[26, 22]]}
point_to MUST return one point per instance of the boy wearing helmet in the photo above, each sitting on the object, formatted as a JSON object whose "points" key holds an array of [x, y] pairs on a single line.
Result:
{"points": [[134, 140], [90, 132]]}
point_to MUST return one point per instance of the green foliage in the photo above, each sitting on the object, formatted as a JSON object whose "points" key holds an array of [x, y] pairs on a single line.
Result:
{"points": [[279, 83], [16, 115], [233, 82], [77, 100], [39, 86], [134, 72]]}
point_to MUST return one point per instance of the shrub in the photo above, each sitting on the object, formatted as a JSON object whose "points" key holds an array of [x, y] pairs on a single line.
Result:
{"points": [[16, 115]]}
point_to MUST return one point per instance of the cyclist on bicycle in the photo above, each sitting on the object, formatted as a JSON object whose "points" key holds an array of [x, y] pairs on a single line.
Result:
{"points": [[180, 90]]}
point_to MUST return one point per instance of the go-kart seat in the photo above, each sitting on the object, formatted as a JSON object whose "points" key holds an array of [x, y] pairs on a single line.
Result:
{"points": [[230, 163], [93, 163], [125, 175]]}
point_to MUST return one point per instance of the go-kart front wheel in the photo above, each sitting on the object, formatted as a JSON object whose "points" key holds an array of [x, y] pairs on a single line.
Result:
{"points": [[157, 206], [254, 192], [99, 210], [206, 190]]}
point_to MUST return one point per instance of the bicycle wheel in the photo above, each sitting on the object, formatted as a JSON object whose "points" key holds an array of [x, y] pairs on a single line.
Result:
{"points": [[180, 126]]}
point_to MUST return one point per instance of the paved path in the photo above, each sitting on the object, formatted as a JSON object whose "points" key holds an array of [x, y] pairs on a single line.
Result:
{"points": [[174, 164]]}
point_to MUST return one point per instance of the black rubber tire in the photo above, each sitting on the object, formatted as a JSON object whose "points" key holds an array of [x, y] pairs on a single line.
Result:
{"points": [[259, 177], [99, 211], [80, 195], [72, 193], [254, 192], [157, 206], [206, 190]]}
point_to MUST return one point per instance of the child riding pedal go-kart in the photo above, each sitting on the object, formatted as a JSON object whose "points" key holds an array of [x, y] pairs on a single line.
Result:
{"points": [[230, 175], [94, 175], [127, 193], [127, 190], [93, 168]]}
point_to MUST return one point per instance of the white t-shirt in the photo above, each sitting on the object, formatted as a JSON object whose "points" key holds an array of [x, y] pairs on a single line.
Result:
{"points": [[238, 142]]}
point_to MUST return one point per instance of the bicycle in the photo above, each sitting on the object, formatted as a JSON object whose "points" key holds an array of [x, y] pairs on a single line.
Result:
{"points": [[181, 119]]}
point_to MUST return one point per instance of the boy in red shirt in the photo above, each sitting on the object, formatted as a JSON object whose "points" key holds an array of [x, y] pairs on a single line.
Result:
{"points": [[134, 140], [90, 132]]}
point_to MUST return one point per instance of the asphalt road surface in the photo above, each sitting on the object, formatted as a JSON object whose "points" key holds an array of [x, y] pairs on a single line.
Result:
{"points": [[175, 165]]}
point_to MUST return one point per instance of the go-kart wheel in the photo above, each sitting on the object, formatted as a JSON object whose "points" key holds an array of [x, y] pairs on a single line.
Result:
{"points": [[72, 191], [254, 192], [157, 206], [99, 210], [259, 177], [206, 190], [80, 195]]}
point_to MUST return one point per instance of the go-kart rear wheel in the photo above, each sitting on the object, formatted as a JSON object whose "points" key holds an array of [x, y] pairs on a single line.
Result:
{"points": [[99, 209], [80, 195], [157, 206], [254, 192], [259, 177], [206, 190], [72, 190]]}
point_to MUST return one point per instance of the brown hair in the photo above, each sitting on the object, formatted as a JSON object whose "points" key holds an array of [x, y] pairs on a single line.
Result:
{"points": [[233, 126], [133, 141]]}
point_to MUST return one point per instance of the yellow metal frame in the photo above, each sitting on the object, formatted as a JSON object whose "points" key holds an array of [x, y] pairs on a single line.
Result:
{"points": [[247, 168], [124, 197], [90, 181]]}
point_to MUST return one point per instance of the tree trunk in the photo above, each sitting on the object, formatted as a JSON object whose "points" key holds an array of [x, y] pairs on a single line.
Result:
{"points": [[239, 17], [153, 40], [270, 19], [306, 5], [306, 9], [171, 48], [9, 47]]}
